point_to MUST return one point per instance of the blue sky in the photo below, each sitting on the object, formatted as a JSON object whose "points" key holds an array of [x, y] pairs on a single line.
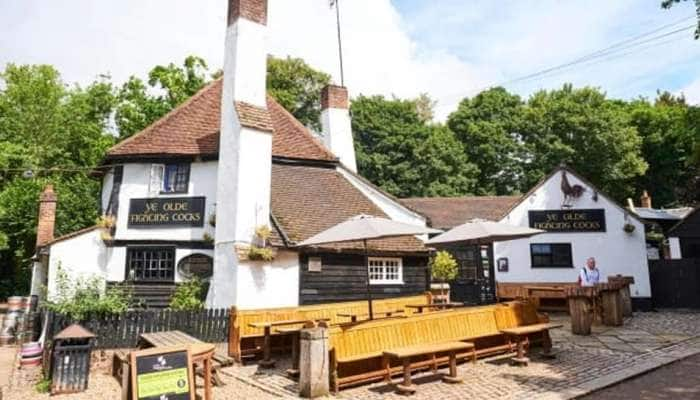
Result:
{"points": [[447, 48]]}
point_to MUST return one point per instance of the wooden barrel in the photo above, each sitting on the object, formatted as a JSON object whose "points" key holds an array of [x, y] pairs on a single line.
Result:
{"points": [[580, 301], [14, 303], [624, 282], [611, 304], [6, 339]]}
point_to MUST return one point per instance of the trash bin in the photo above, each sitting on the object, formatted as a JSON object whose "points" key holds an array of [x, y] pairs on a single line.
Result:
{"points": [[581, 308], [70, 361]]}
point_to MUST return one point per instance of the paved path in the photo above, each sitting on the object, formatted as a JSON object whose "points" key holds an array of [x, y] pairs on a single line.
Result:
{"points": [[678, 381], [7, 363]]}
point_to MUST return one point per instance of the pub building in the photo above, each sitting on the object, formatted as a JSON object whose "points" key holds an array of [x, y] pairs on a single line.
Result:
{"points": [[224, 187], [580, 222]]}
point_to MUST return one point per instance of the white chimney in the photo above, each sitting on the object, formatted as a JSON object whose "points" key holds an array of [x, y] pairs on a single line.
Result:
{"points": [[335, 122], [245, 146]]}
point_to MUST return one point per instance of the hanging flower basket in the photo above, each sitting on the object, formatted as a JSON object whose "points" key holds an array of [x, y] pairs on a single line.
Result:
{"points": [[629, 228]]}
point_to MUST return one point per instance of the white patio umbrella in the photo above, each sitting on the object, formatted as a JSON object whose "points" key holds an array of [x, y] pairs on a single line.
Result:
{"points": [[483, 231], [365, 227]]}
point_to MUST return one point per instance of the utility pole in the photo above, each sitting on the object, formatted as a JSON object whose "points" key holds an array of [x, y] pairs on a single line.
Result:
{"points": [[336, 3]]}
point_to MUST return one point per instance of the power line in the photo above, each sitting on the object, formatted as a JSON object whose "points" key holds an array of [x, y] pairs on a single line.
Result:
{"points": [[619, 46]]}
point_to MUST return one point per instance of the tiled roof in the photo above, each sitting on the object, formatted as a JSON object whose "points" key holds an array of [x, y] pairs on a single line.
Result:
{"points": [[253, 116], [448, 212], [307, 200], [192, 129]]}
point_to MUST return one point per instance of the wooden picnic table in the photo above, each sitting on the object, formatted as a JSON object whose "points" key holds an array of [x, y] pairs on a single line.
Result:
{"points": [[266, 326], [201, 352], [354, 316], [420, 307]]}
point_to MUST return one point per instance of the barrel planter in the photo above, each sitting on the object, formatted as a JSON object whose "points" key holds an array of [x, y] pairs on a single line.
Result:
{"points": [[611, 302], [581, 308]]}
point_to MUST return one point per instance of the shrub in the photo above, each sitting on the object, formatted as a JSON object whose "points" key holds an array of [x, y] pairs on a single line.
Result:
{"points": [[443, 268], [82, 296], [188, 296]]}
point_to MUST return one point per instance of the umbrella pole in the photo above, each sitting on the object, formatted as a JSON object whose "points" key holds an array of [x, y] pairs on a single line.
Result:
{"points": [[369, 291]]}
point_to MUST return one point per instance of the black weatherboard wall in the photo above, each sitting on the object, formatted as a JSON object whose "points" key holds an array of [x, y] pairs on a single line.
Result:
{"points": [[688, 233], [343, 278]]}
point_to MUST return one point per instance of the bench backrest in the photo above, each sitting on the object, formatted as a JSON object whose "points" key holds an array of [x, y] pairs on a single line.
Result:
{"points": [[330, 311], [369, 339]]}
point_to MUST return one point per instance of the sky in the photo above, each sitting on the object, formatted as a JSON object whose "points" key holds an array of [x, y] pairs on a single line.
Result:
{"points": [[450, 49]]}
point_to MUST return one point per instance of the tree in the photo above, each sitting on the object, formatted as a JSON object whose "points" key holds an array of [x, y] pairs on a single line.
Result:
{"points": [[138, 107], [425, 107], [591, 134], [297, 87], [667, 146], [49, 133], [669, 3], [406, 157], [488, 126]]}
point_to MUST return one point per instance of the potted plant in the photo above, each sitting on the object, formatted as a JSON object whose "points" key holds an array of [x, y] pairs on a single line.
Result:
{"points": [[443, 269], [629, 228]]}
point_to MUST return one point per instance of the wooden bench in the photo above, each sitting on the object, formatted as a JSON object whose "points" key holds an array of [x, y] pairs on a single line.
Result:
{"points": [[356, 351], [404, 354], [246, 340], [521, 335]]}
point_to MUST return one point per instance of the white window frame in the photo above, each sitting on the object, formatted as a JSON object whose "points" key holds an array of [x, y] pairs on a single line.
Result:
{"points": [[383, 261]]}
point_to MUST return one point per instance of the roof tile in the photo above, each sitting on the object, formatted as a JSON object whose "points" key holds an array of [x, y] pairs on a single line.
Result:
{"points": [[448, 212]]}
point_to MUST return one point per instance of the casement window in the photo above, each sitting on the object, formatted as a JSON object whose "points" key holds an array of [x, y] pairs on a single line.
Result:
{"points": [[384, 271], [169, 178], [151, 264], [551, 255]]}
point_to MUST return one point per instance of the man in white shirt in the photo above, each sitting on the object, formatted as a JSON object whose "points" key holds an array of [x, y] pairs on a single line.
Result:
{"points": [[589, 275]]}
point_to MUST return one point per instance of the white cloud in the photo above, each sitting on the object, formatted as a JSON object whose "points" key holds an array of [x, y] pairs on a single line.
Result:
{"points": [[692, 92]]}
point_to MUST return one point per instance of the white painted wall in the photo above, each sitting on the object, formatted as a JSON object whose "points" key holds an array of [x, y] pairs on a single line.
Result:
{"points": [[337, 135], [674, 244], [135, 184], [616, 251], [269, 284]]}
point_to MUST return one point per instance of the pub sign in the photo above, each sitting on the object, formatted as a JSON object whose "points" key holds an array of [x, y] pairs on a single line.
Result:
{"points": [[170, 211], [583, 220]]}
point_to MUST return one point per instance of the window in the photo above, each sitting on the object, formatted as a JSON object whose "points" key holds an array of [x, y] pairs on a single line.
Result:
{"points": [[551, 255], [385, 271], [175, 177], [151, 264]]}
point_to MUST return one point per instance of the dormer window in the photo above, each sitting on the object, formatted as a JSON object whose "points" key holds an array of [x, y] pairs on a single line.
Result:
{"points": [[170, 178]]}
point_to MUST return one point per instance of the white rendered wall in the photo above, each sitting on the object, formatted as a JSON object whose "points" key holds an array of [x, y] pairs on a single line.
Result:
{"points": [[674, 244], [337, 135], [616, 251], [269, 284], [135, 185], [83, 256]]}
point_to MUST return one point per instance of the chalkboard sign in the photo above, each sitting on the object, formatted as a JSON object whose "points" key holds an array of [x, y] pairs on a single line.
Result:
{"points": [[162, 373], [170, 211], [582, 220]]}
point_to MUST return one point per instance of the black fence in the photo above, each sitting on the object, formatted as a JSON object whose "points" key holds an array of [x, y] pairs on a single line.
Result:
{"points": [[675, 283], [123, 330]]}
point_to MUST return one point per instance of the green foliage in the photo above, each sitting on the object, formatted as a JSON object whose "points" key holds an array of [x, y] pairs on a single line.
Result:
{"points": [[45, 124], [256, 253], [43, 386], [297, 87], [188, 296], [138, 107], [79, 297], [488, 126], [405, 156], [444, 267]]}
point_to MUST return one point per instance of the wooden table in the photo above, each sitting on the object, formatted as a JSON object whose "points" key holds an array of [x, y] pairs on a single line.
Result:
{"points": [[354, 316], [420, 307], [201, 352], [521, 337], [267, 361]]}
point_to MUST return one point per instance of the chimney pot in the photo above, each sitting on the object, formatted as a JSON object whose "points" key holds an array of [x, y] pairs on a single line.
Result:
{"points": [[333, 96], [645, 200], [47, 216], [254, 10]]}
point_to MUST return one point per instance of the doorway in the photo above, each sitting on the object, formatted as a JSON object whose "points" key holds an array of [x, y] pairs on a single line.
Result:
{"points": [[475, 283]]}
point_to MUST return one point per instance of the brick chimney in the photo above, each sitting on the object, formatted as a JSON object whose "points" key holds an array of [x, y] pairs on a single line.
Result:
{"points": [[47, 216], [336, 125], [645, 200], [245, 146]]}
